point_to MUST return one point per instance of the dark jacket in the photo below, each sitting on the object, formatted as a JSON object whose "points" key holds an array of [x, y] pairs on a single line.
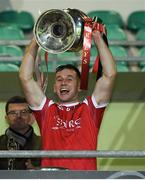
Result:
{"points": [[32, 142]]}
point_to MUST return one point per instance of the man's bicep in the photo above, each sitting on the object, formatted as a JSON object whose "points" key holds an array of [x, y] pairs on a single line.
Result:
{"points": [[103, 90], [33, 93]]}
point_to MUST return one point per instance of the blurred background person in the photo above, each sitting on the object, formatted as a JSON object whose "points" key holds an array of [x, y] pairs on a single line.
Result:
{"points": [[19, 135]]}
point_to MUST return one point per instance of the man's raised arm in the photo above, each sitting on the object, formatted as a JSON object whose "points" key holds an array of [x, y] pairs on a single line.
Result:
{"points": [[31, 89], [104, 85]]}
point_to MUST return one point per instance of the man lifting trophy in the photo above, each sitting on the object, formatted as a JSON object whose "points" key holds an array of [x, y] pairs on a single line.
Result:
{"points": [[68, 124]]}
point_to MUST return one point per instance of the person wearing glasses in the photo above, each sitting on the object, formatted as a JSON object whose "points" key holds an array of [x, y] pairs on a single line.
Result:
{"points": [[69, 124], [19, 135]]}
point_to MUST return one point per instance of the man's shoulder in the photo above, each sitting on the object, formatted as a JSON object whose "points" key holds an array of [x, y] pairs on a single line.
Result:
{"points": [[45, 103], [91, 101]]}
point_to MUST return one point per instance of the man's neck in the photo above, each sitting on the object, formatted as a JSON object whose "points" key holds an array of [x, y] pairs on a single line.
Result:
{"points": [[67, 104], [21, 131]]}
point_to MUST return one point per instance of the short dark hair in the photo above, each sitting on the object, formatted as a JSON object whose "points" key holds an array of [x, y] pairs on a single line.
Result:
{"points": [[14, 100], [69, 66]]}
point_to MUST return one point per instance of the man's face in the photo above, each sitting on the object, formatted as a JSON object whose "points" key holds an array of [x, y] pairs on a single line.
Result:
{"points": [[18, 116], [67, 85]]}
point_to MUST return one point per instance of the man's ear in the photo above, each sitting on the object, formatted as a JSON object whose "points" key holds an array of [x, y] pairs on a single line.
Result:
{"points": [[79, 89], [32, 119], [7, 119]]}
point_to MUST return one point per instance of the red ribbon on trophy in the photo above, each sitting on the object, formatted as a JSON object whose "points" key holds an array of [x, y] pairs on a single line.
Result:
{"points": [[86, 53], [90, 26]]}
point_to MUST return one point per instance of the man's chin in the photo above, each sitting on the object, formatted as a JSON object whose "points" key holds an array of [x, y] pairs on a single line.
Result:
{"points": [[64, 98], [64, 101], [19, 127]]}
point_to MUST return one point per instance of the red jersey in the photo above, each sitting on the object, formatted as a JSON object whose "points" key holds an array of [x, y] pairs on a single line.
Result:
{"points": [[70, 127]]}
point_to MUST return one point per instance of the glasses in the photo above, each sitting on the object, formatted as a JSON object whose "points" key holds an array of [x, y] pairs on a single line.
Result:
{"points": [[22, 113]]}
